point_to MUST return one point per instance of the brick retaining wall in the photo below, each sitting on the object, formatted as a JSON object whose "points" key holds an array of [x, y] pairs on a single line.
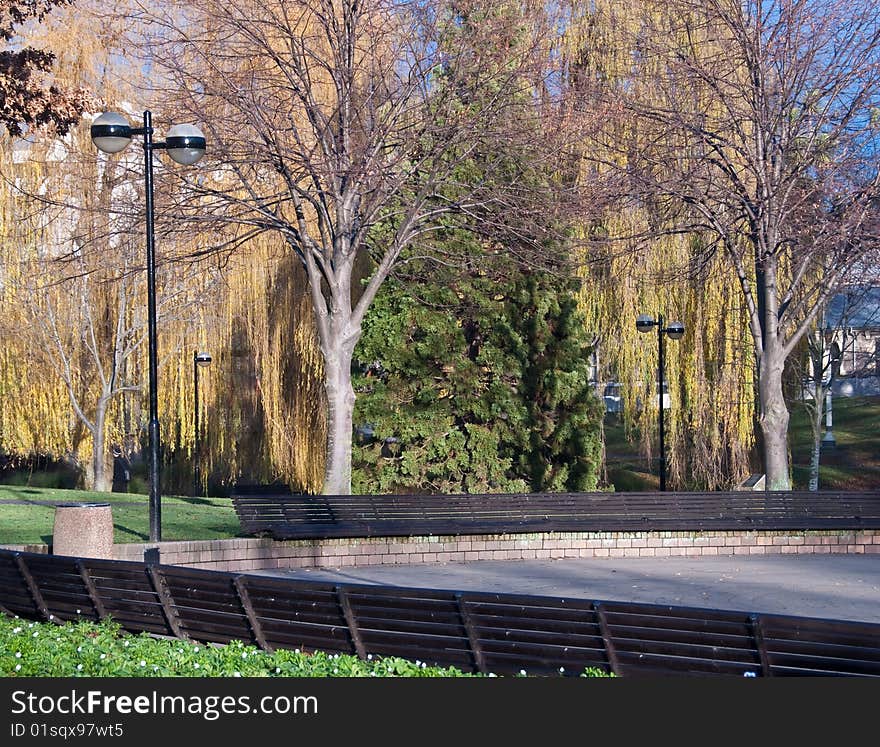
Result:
{"points": [[254, 554]]}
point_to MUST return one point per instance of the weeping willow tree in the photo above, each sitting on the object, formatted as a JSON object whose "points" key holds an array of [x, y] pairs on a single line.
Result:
{"points": [[753, 126], [73, 374], [264, 405], [55, 301], [636, 262]]}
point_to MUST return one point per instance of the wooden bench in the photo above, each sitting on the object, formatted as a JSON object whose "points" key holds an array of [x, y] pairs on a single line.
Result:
{"points": [[473, 630], [285, 515]]}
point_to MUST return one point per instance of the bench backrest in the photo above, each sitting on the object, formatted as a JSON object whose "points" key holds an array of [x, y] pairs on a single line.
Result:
{"points": [[287, 515]]}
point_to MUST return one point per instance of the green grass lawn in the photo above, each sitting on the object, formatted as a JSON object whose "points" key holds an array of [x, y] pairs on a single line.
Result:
{"points": [[183, 518], [854, 464]]}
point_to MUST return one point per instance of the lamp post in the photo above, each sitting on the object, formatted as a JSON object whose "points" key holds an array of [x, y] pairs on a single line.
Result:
{"points": [[675, 330], [111, 133], [833, 366], [199, 360]]}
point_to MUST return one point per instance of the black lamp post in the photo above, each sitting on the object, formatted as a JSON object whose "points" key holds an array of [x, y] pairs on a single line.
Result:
{"points": [[185, 144], [675, 330], [199, 359]]}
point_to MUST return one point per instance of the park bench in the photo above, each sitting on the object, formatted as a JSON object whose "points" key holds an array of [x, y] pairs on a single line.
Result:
{"points": [[280, 514], [473, 630]]}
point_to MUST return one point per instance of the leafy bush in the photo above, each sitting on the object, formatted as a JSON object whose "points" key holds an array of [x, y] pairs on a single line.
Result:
{"points": [[87, 649]]}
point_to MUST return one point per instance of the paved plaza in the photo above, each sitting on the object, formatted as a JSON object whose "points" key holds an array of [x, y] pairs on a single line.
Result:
{"points": [[832, 586]]}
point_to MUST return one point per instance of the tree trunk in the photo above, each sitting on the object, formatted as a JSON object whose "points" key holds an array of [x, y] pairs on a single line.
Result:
{"points": [[100, 476], [340, 414], [816, 413], [817, 448], [774, 423]]}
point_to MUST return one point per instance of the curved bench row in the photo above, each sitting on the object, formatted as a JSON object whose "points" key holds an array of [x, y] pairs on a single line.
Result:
{"points": [[278, 513], [478, 632]]}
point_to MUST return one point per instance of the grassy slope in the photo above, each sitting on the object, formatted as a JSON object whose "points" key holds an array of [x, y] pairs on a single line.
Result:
{"points": [[853, 465], [183, 518]]}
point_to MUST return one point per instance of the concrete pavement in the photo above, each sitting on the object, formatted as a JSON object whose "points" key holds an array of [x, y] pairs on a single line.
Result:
{"points": [[832, 586]]}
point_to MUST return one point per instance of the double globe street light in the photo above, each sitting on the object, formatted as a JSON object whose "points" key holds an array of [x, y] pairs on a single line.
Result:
{"points": [[675, 330], [111, 133]]}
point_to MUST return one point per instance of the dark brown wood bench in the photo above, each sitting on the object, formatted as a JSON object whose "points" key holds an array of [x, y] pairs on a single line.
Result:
{"points": [[473, 630], [284, 515]]}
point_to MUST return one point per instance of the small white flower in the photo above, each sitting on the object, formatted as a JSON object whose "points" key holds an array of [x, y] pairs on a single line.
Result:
{"points": [[195, 648], [749, 674], [17, 667], [51, 617], [369, 657], [522, 672], [492, 674], [335, 670], [30, 625], [79, 666], [125, 644], [236, 674], [78, 612], [296, 650], [16, 630], [196, 665], [561, 670], [103, 656], [18, 654], [155, 668], [79, 649], [244, 654], [277, 670], [36, 633], [143, 663]]}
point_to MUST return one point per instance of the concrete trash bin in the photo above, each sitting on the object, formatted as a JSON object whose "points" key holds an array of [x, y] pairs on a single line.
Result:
{"points": [[83, 530]]}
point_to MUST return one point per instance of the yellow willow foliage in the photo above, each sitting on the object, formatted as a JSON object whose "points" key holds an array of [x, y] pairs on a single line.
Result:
{"points": [[261, 400], [710, 372], [65, 261], [270, 370], [30, 397]]}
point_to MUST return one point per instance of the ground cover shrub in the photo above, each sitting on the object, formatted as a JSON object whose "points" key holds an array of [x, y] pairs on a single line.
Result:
{"points": [[88, 649]]}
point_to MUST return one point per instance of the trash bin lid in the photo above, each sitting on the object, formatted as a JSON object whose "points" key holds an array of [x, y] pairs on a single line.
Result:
{"points": [[81, 505]]}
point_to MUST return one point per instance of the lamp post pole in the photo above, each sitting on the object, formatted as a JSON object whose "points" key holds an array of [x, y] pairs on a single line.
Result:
{"points": [[661, 399], [111, 133], [199, 359], [675, 330], [196, 422], [153, 427]]}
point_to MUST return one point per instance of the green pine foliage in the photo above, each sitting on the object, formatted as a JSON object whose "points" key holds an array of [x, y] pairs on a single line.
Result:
{"points": [[561, 447], [476, 382]]}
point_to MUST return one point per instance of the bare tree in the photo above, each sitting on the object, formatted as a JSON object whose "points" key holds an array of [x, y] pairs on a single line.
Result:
{"points": [[29, 97], [824, 361], [347, 127], [752, 124]]}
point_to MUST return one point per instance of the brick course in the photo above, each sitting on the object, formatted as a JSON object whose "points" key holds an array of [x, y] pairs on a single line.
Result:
{"points": [[253, 554]]}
